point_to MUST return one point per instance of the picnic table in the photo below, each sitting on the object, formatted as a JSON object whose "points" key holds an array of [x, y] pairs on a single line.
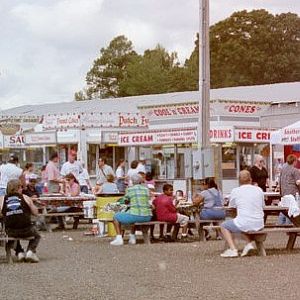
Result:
{"points": [[271, 197], [52, 202], [57, 200]]}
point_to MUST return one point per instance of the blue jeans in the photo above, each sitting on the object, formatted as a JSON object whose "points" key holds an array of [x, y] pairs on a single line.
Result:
{"points": [[126, 218], [2, 191], [212, 214], [282, 219]]}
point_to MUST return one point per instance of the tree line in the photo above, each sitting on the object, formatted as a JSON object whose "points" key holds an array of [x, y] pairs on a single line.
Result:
{"points": [[248, 48]]}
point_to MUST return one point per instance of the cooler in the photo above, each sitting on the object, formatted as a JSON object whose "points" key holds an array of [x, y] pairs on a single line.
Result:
{"points": [[89, 209]]}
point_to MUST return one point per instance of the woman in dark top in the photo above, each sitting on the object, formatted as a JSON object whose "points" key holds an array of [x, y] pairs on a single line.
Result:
{"points": [[259, 173]]}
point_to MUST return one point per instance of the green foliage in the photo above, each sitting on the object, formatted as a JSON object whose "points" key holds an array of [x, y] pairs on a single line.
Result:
{"points": [[150, 73], [247, 48], [253, 48], [108, 70]]}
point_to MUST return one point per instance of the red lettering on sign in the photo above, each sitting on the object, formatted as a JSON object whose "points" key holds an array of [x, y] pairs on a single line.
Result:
{"points": [[239, 108]]}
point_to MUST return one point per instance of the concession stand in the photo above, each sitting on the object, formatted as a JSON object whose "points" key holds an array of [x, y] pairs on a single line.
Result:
{"points": [[160, 129]]}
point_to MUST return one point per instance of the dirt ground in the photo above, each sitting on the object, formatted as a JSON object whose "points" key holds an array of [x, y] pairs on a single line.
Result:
{"points": [[74, 266]]}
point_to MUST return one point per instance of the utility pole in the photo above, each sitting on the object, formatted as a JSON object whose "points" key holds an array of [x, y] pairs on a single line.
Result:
{"points": [[204, 87]]}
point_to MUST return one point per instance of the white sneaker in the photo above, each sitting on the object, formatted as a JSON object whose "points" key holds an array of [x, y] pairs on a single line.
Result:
{"points": [[132, 240], [31, 257], [230, 253], [117, 241], [21, 256], [247, 249]]}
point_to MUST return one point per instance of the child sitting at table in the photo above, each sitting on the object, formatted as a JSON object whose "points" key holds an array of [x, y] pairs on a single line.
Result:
{"points": [[71, 185], [166, 211]]}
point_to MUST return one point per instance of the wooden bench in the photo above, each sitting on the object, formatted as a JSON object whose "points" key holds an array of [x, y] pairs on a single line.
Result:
{"points": [[202, 227], [260, 236], [5, 240], [145, 226]]}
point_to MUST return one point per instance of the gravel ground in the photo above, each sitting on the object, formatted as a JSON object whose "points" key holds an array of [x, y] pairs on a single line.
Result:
{"points": [[74, 266]]}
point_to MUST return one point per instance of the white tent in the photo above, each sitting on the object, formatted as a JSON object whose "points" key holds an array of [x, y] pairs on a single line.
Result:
{"points": [[289, 135]]}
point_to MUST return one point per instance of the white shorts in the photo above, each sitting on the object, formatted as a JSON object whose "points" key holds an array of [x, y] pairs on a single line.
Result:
{"points": [[182, 219]]}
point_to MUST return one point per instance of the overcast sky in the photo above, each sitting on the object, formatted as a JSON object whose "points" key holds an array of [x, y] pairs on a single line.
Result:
{"points": [[47, 46]]}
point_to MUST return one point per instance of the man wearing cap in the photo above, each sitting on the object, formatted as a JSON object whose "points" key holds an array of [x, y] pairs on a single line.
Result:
{"points": [[9, 172]]}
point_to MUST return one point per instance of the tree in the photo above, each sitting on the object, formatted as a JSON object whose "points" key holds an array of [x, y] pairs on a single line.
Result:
{"points": [[150, 73], [252, 48], [108, 70]]}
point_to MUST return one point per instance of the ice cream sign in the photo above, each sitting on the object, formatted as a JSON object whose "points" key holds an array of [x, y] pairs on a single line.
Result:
{"points": [[158, 137]]}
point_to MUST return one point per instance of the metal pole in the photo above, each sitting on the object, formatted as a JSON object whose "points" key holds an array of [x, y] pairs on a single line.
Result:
{"points": [[204, 73]]}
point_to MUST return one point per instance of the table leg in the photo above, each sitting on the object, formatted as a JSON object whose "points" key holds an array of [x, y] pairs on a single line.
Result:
{"points": [[291, 241], [145, 231]]}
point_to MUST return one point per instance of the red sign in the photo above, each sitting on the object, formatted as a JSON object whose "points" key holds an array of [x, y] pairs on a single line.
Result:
{"points": [[243, 108]]}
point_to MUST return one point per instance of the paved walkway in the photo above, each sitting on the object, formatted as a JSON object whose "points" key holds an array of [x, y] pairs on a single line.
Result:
{"points": [[74, 266]]}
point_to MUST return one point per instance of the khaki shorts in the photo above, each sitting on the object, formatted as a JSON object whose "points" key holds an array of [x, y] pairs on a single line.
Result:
{"points": [[182, 219]]}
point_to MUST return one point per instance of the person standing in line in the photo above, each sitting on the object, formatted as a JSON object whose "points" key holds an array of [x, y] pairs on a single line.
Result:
{"points": [[259, 173], [52, 174], [289, 182], [84, 180], [141, 167], [28, 170], [120, 174], [9, 172], [71, 166], [132, 171], [249, 202], [103, 170]]}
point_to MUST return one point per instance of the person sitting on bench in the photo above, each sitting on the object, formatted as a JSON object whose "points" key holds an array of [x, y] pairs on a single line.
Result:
{"points": [[249, 201], [17, 209], [166, 212], [139, 210], [213, 203]]}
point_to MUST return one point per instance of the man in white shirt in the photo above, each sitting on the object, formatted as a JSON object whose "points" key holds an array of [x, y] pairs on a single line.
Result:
{"points": [[9, 172], [102, 172], [141, 166], [249, 202], [71, 166], [84, 180]]}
